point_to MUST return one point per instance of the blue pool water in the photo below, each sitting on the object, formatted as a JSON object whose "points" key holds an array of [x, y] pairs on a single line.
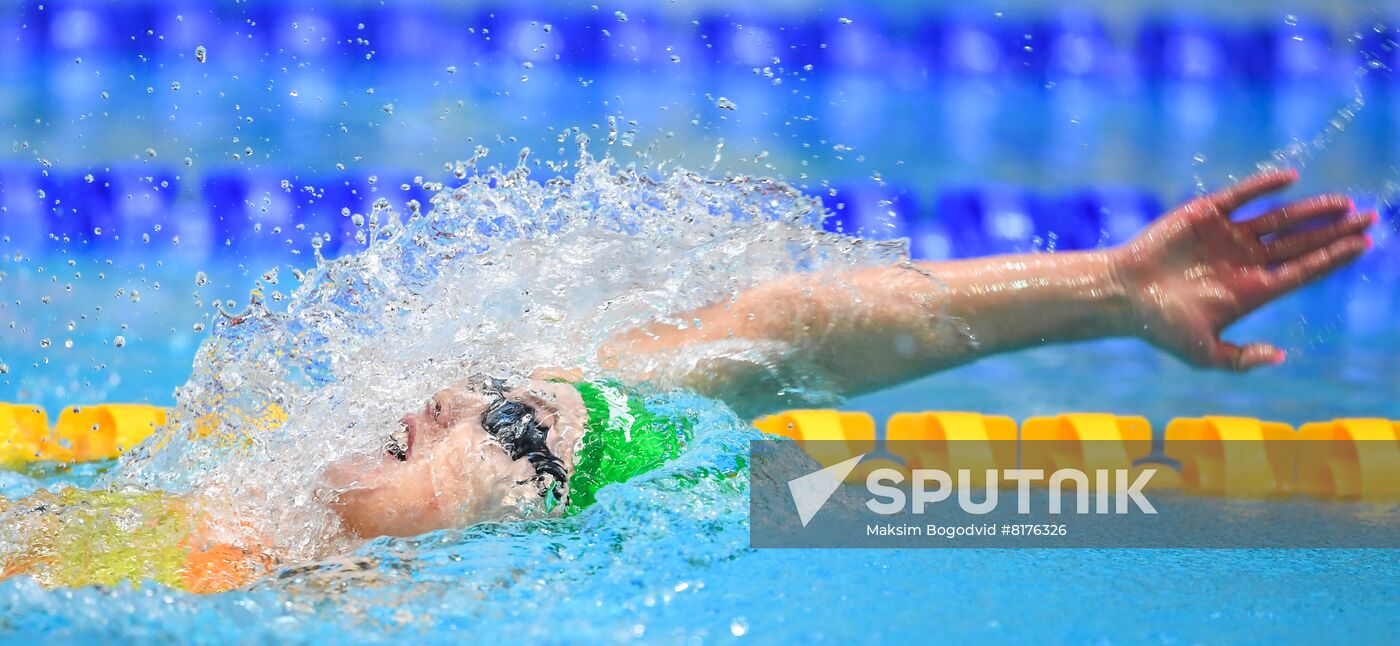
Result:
{"points": [[945, 127]]}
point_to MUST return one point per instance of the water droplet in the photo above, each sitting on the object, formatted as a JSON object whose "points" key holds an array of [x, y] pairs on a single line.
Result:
{"points": [[739, 627], [725, 104], [175, 85], [846, 21], [201, 279], [119, 342], [44, 343], [621, 17], [88, 178], [201, 54], [451, 69]]}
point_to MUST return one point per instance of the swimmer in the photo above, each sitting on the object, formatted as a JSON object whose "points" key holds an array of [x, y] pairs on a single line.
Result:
{"points": [[1177, 285], [491, 449]]}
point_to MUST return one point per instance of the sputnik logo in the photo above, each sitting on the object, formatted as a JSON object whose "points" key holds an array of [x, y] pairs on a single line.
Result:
{"points": [[930, 486], [810, 492]]}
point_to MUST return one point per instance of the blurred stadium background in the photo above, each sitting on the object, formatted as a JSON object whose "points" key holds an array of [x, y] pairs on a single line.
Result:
{"points": [[149, 141]]}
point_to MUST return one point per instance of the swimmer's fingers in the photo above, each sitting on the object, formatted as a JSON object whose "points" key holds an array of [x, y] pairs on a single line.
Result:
{"points": [[1291, 246], [1250, 188], [1228, 356], [1297, 213], [1312, 265]]}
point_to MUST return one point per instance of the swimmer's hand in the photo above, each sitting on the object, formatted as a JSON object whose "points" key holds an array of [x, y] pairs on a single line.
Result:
{"points": [[1195, 271]]}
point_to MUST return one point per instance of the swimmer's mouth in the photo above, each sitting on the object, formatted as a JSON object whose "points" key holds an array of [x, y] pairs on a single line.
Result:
{"points": [[399, 443]]}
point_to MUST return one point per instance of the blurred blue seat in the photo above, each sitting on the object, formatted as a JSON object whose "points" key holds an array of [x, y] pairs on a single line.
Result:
{"points": [[79, 212], [309, 32], [251, 212], [994, 219], [966, 44], [753, 39], [802, 39], [523, 35], [24, 205], [1102, 216], [489, 22], [1293, 50], [359, 31], [143, 207], [84, 27], [866, 43], [642, 39], [83, 210], [1189, 48], [225, 200], [1077, 44], [885, 213], [184, 26], [441, 34], [1379, 49]]}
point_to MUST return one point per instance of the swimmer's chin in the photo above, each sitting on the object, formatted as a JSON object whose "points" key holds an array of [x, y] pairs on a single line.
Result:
{"points": [[353, 473]]}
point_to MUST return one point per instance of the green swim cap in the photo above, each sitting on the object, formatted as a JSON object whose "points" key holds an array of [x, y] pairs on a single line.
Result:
{"points": [[621, 440]]}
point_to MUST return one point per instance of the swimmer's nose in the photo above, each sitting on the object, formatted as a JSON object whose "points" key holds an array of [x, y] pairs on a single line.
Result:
{"points": [[410, 424]]}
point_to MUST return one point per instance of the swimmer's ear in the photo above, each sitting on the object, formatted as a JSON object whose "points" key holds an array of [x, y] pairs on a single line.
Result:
{"points": [[558, 374]]}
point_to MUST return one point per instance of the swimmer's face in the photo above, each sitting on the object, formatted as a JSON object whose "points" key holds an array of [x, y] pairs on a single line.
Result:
{"points": [[475, 451]]}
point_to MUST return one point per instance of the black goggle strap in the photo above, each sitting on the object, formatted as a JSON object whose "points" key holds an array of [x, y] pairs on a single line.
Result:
{"points": [[513, 425]]}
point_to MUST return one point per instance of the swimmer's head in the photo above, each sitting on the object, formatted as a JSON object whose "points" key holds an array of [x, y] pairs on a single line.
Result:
{"points": [[480, 450]]}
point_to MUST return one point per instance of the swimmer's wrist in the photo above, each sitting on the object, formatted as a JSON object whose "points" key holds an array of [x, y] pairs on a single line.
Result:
{"points": [[1121, 292]]}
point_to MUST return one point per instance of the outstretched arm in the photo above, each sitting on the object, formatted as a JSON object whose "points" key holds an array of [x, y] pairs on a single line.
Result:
{"points": [[1177, 285]]}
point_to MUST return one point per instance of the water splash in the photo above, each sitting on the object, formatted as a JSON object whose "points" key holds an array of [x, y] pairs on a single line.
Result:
{"points": [[505, 274]]}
